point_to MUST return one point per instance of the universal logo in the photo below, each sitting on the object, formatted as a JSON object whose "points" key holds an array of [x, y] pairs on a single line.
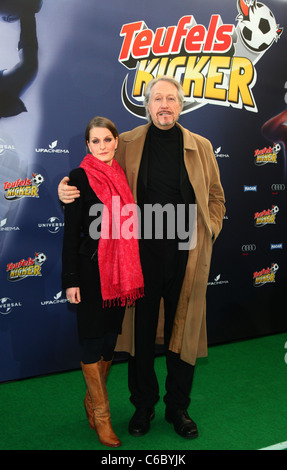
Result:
{"points": [[52, 149], [7, 305], [4, 147], [56, 300], [53, 225]]}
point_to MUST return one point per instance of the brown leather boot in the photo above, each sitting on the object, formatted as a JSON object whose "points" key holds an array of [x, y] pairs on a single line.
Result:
{"points": [[106, 368], [89, 410], [94, 377], [88, 402]]}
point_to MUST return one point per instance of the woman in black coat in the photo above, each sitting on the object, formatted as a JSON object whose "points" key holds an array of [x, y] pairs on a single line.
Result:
{"points": [[101, 270]]}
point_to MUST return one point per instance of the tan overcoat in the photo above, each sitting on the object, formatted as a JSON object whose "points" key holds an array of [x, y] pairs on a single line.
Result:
{"points": [[189, 337]]}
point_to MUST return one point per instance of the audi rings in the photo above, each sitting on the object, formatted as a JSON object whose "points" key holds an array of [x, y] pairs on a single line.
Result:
{"points": [[278, 187], [248, 248]]}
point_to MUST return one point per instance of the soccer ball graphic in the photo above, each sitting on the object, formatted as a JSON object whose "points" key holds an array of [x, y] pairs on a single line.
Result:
{"points": [[275, 210], [37, 179], [259, 30], [276, 148], [40, 258], [274, 267]]}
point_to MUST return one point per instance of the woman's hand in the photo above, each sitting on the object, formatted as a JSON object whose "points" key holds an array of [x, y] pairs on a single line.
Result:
{"points": [[67, 193], [73, 295]]}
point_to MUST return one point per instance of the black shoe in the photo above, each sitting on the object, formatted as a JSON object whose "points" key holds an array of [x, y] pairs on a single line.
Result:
{"points": [[140, 422], [183, 424]]}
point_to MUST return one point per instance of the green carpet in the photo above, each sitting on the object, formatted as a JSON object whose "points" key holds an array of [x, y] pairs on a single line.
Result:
{"points": [[238, 402]]}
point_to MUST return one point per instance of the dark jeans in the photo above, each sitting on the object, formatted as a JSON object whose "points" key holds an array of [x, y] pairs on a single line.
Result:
{"points": [[163, 269]]}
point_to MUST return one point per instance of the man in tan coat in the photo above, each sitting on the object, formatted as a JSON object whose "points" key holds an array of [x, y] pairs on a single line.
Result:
{"points": [[167, 164]]}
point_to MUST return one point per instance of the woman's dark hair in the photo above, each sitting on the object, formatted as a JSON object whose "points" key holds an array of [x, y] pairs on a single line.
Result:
{"points": [[100, 121]]}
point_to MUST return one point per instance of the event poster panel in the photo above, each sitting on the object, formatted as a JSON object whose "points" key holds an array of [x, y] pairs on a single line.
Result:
{"points": [[65, 61]]}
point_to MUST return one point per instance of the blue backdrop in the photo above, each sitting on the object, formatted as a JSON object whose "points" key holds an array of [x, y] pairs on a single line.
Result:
{"points": [[94, 58]]}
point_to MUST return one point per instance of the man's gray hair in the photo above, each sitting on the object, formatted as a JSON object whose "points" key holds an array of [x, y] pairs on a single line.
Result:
{"points": [[151, 84]]}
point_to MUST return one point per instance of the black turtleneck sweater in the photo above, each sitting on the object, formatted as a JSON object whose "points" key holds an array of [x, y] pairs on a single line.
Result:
{"points": [[160, 180], [164, 155]]}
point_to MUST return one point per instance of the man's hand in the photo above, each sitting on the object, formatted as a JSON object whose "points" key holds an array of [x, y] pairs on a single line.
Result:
{"points": [[67, 193]]}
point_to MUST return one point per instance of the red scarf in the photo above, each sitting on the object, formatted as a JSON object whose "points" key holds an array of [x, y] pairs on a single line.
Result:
{"points": [[118, 257]]}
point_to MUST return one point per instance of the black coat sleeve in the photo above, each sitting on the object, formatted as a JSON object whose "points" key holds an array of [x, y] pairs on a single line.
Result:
{"points": [[73, 217]]}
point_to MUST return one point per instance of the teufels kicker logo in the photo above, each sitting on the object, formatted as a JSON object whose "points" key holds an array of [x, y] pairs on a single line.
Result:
{"points": [[266, 217], [215, 65], [267, 155], [23, 188], [265, 276], [26, 268]]}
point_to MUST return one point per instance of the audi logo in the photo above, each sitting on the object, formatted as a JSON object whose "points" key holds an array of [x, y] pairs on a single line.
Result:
{"points": [[248, 247], [278, 187]]}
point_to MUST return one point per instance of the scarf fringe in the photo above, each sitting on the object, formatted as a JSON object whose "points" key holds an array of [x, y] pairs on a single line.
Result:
{"points": [[125, 299]]}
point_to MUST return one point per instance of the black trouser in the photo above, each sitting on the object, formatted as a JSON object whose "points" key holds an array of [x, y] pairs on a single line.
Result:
{"points": [[93, 349], [163, 269]]}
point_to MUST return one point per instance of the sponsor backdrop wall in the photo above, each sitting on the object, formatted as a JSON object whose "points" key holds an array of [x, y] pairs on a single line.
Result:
{"points": [[94, 58]]}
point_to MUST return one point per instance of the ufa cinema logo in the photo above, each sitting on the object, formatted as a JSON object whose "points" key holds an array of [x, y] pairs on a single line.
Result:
{"points": [[23, 188], [26, 268], [265, 276], [214, 64]]}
